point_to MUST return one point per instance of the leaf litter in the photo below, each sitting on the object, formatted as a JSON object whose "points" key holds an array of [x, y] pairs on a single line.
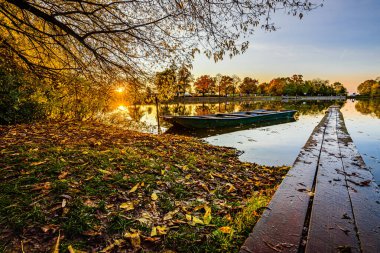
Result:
{"points": [[85, 187]]}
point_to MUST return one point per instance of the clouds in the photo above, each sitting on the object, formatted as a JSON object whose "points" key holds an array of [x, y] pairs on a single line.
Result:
{"points": [[337, 42]]}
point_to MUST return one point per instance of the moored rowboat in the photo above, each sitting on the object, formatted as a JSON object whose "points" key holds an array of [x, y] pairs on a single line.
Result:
{"points": [[229, 119]]}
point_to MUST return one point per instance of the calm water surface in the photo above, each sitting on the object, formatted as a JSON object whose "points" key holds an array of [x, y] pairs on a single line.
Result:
{"points": [[280, 143]]}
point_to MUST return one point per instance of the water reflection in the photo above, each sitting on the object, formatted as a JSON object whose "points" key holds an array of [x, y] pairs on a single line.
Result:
{"points": [[369, 107], [268, 144]]}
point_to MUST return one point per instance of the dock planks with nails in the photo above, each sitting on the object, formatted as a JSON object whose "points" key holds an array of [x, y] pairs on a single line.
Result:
{"points": [[328, 202]]}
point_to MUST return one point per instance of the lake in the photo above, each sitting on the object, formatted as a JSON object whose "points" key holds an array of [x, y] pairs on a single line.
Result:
{"points": [[277, 143]]}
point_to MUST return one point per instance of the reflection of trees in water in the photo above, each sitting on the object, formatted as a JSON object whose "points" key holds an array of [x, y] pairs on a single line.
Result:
{"points": [[310, 107], [165, 109], [136, 113], [203, 110], [180, 109], [371, 107]]}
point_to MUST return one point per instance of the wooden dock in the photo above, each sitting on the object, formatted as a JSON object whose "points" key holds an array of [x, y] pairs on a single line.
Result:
{"points": [[328, 202]]}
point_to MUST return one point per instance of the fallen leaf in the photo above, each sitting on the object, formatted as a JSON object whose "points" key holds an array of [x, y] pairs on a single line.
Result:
{"points": [[170, 215], [134, 238], [188, 217], [63, 175], [154, 196], [231, 188], [134, 188], [207, 215], [204, 187], [196, 220], [37, 163], [56, 247], [72, 250], [113, 245], [226, 230], [127, 206], [153, 232], [162, 230], [104, 171]]}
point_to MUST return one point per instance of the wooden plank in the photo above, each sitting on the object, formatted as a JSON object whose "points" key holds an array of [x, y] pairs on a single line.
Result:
{"points": [[331, 226], [281, 226], [364, 192]]}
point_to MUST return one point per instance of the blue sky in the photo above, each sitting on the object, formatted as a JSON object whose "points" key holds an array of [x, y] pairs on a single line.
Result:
{"points": [[338, 42]]}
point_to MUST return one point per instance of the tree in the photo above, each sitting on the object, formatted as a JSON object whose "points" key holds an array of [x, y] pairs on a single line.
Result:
{"points": [[277, 86], [204, 84], [365, 88], [248, 86], [165, 83], [18, 95], [262, 89], [339, 89], [184, 78], [132, 37], [225, 84]]}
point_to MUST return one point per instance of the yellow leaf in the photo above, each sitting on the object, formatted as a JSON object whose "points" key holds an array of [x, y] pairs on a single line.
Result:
{"points": [[207, 216], [231, 189], [37, 163], [154, 196], [127, 206], [188, 217], [188, 176], [113, 245], [153, 232], [226, 230], [162, 230], [163, 172], [56, 247], [134, 188], [204, 187], [72, 250], [196, 220], [104, 171], [134, 239], [170, 215]]}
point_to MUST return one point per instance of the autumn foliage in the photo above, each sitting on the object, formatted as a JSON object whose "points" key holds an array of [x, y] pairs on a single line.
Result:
{"points": [[92, 187]]}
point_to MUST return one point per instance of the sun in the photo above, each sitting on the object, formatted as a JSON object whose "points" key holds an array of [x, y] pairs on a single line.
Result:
{"points": [[119, 89], [122, 108]]}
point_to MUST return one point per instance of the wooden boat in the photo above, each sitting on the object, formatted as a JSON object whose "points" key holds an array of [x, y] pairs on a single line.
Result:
{"points": [[229, 119]]}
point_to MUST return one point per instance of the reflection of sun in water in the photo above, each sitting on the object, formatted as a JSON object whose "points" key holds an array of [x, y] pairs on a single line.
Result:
{"points": [[122, 108], [120, 89]]}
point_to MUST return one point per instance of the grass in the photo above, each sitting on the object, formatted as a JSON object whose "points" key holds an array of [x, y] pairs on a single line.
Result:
{"points": [[100, 187]]}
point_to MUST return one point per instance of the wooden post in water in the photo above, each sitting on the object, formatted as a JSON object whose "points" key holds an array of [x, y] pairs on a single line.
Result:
{"points": [[158, 114]]}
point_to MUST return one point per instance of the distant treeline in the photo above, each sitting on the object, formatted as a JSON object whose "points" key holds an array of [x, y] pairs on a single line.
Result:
{"points": [[173, 82]]}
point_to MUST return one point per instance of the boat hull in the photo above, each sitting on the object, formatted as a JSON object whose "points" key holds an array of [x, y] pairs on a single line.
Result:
{"points": [[229, 120]]}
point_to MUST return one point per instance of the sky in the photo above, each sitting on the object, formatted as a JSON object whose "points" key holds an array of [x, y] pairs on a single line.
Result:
{"points": [[337, 42]]}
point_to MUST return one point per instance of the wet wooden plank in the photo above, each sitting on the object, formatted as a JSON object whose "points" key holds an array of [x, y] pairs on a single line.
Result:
{"points": [[364, 192], [281, 225], [332, 227]]}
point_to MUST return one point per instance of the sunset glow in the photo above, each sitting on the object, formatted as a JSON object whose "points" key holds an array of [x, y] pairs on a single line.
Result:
{"points": [[120, 89], [122, 108]]}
